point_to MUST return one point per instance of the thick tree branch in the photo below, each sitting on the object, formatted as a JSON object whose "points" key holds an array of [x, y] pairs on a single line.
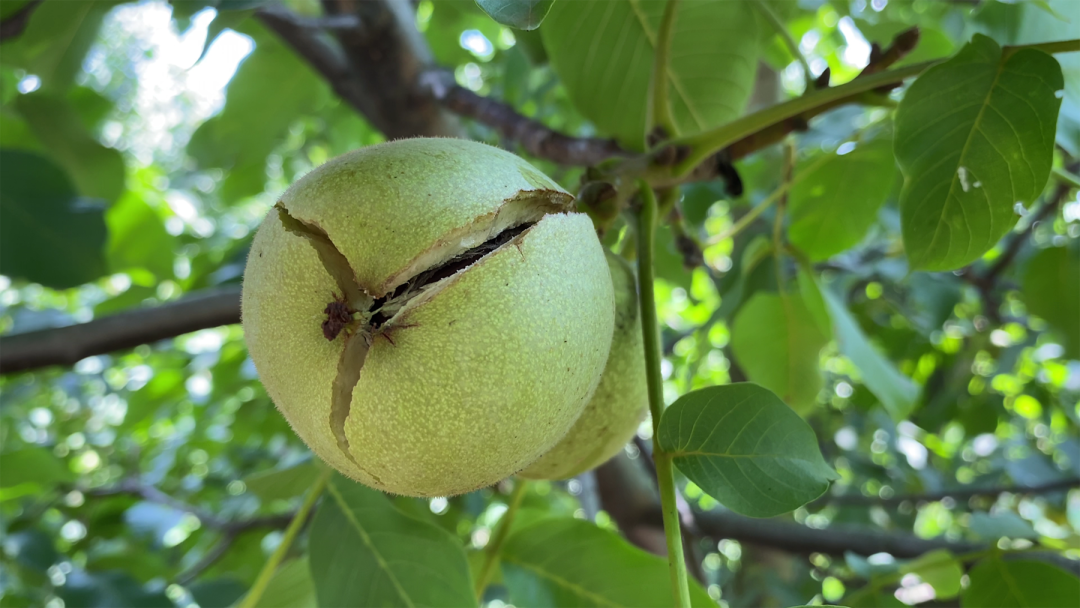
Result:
{"points": [[533, 136], [320, 52], [628, 496], [386, 56], [67, 345]]}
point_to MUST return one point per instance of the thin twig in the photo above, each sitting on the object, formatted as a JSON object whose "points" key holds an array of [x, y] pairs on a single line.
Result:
{"points": [[149, 493], [494, 547], [959, 494], [212, 556], [987, 283], [299, 520]]}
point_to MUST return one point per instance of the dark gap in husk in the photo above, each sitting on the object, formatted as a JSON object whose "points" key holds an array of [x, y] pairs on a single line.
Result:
{"points": [[449, 268], [381, 310]]}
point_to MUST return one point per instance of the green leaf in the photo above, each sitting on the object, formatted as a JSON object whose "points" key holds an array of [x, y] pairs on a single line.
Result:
{"points": [[776, 341], [745, 448], [669, 264], [974, 137], [98, 171], [366, 552], [48, 234], [109, 589], [217, 593], [32, 465], [999, 583], [272, 88], [940, 569], [137, 237], [571, 562], [522, 14], [11, 7], [1007, 523], [1051, 290], [291, 587], [281, 484], [811, 296], [869, 597], [897, 392], [603, 53], [835, 200], [90, 106], [56, 41]]}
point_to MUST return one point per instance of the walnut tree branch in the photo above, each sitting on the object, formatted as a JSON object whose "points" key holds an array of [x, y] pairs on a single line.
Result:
{"points": [[533, 136], [68, 345], [627, 495]]}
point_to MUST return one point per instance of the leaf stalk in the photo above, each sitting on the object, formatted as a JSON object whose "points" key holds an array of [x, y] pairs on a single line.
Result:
{"points": [[270, 567], [491, 551]]}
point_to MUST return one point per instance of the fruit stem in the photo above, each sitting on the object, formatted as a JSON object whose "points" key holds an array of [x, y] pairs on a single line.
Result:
{"points": [[493, 547], [650, 329], [297, 523]]}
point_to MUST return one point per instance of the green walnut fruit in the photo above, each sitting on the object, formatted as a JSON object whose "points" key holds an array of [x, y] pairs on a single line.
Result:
{"points": [[428, 314], [621, 400]]}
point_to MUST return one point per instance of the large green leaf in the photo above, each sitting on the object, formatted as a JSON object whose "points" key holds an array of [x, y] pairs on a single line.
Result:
{"points": [[776, 341], [522, 14], [48, 234], [32, 465], [217, 593], [272, 88], [896, 391], [745, 448], [365, 552], [998, 583], [940, 569], [291, 587], [1051, 290], [281, 484], [603, 53], [571, 562], [137, 237], [974, 137], [56, 40], [835, 202], [98, 171]]}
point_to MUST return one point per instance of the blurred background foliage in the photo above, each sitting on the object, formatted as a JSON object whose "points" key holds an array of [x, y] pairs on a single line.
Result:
{"points": [[155, 136]]}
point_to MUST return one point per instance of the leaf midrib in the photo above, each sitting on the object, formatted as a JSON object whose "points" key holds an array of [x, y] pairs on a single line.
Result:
{"points": [[1010, 583], [340, 500], [676, 83], [598, 599], [960, 161]]}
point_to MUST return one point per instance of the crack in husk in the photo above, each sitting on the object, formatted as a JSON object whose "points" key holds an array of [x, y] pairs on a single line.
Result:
{"points": [[357, 340], [332, 259], [374, 315]]}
